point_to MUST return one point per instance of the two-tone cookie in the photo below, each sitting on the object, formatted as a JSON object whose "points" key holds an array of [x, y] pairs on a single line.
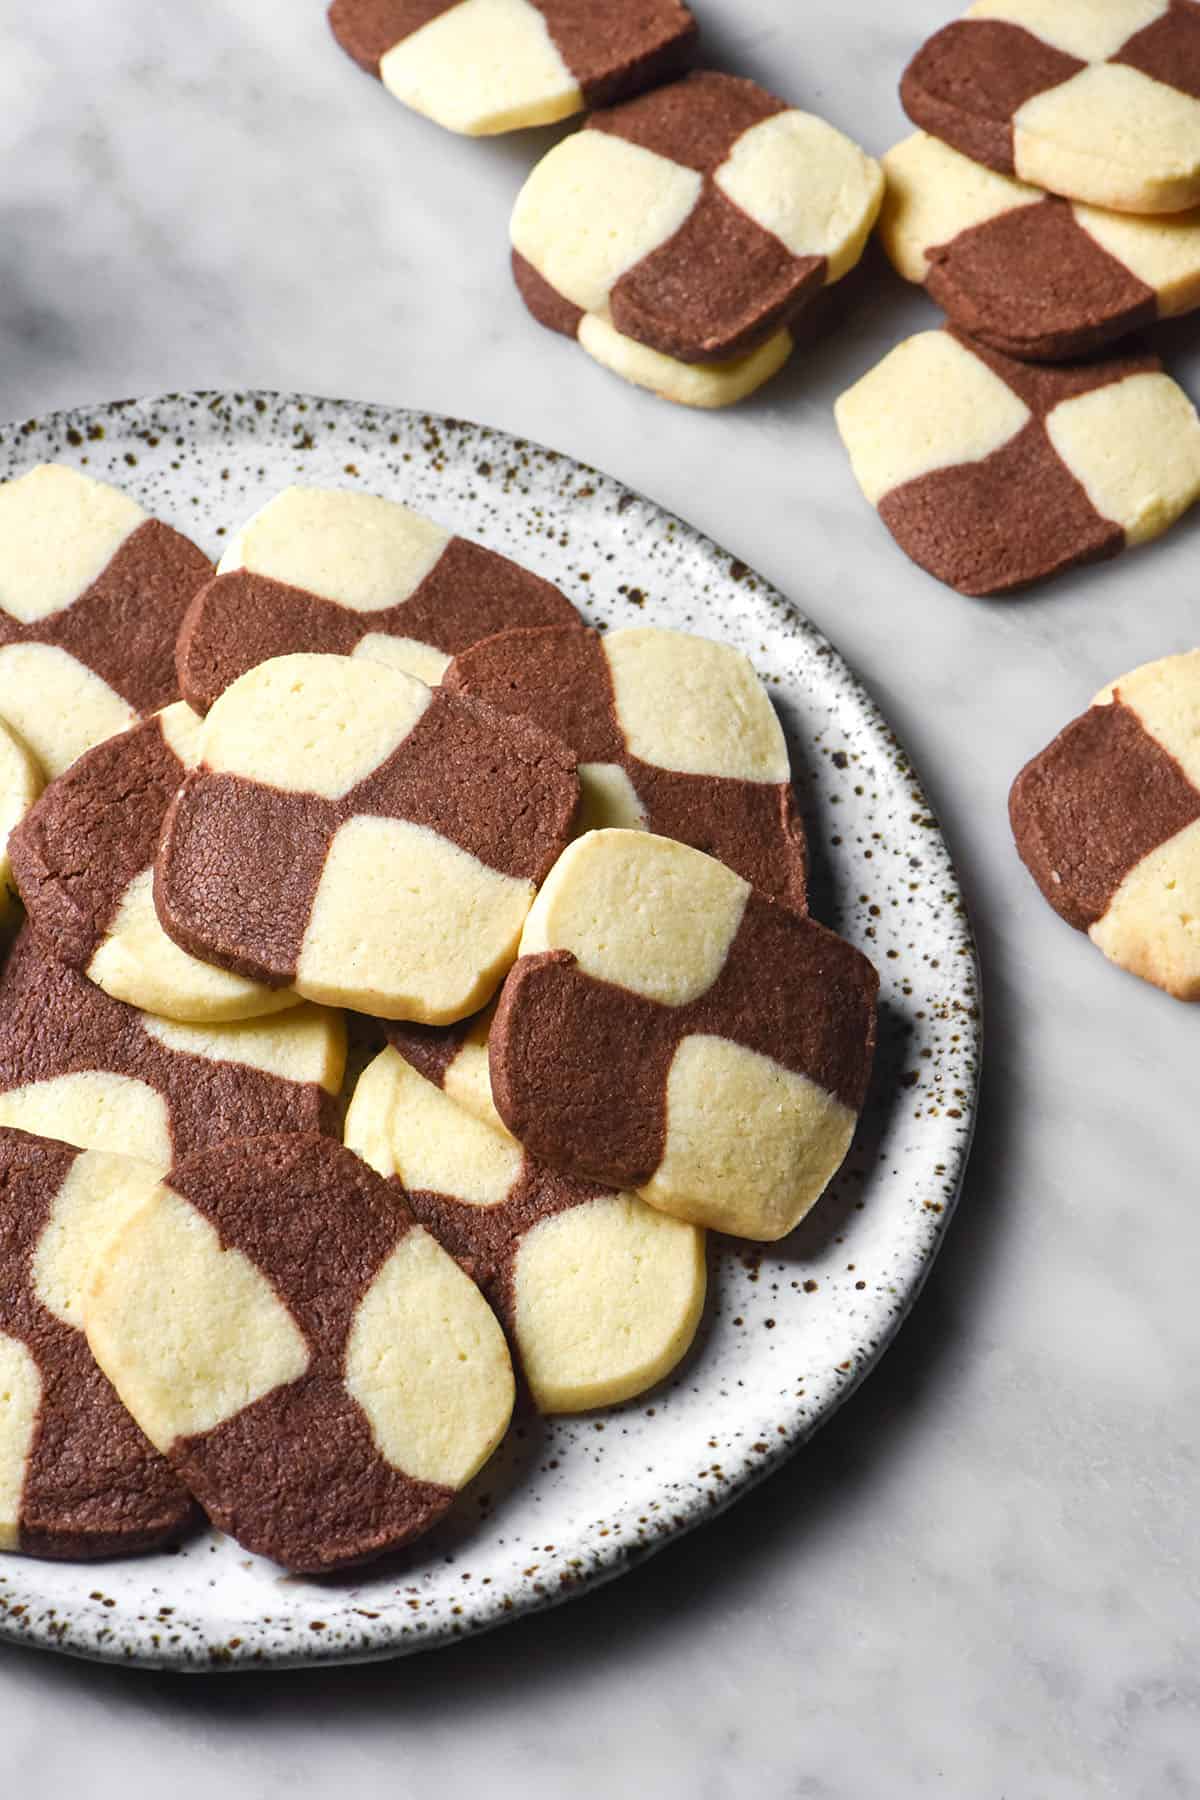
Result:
{"points": [[669, 1031], [1095, 99], [1107, 821], [674, 735], [1029, 273], [679, 236], [321, 1374], [77, 1477], [347, 574], [83, 859], [21, 782], [92, 594], [485, 66], [600, 1294], [992, 473], [78, 1065], [362, 838]]}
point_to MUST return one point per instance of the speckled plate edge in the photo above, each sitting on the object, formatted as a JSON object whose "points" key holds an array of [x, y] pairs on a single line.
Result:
{"points": [[91, 436]]}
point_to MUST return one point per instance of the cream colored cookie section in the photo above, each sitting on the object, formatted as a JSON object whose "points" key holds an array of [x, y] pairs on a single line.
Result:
{"points": [[409, 655], [1164, 253], [642, 911], [138, 963], [183, 732], [407, 925], [1165, 695], [427, 1362], [1135, 447], [607, 1300], [20, 785], [60, 530], [932, 194], [20, 1399], [594, 206], [928, 405], [483, 67], [1115, 137], [1152, 926], [695, 706], [188, 1333], [403, 1125], [312, 724], [707, 386], [356, 549], [100, 1194], [608, 800], [806, 183], [468, 1080], [307, 1044], [59, 707], [750, 1146], [96, 1110], [1089, 29]]}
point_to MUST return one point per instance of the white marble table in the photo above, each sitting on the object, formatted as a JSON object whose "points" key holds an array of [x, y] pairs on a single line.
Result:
{"points": [[980, 1580]]}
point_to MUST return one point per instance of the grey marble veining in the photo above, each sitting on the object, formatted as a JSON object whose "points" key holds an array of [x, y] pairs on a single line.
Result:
{"points": [[981, 1578]]}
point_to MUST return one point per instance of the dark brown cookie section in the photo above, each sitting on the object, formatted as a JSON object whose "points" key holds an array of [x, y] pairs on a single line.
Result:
{"points": [[1042, 389], [969, 80], [429, 1048], [579, 1067], [94, 1486], [95, 828], [297, 1475], [561, 679], [696, 121], [240, 619], [55, 1022], [1033, 283], [1168, 50], [239, 863], [124, 626], [1097, 800]]}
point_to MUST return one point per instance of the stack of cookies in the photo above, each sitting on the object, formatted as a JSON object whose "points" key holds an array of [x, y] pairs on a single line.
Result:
{"points": [[369, 782], [1050, 203]]}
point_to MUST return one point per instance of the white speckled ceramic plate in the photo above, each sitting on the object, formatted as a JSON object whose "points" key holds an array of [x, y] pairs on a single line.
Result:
{"points": [[790, 1330]]}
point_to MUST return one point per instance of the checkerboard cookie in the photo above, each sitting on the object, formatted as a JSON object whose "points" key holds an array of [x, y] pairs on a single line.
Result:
{"points": [[992, 473], [321, 1374], [77, 1065], [486, 66], [83, 858], [364, 839], [92, 592], [669, 1031], [688, 229], [338, 573], [1107, 821], [600, 1294], [674, 734], [77, 1477], [1029, 273], [1095, 99]]}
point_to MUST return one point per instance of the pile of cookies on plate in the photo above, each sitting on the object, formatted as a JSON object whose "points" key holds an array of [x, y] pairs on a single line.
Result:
{"points": [[370, 788]]}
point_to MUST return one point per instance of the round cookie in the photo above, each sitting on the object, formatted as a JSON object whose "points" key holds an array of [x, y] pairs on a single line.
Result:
{"points": [[992, 473], [670, 1031], [1107, 821], [600, 1294], [674, 734], [1029, 273], [83, 858], [349, 574], [78, 1065], [77, 1477], [92, 592], [692, 226], [485, 66], [20, 784], [321, 1374], [1095, 99], [360, 837]]}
